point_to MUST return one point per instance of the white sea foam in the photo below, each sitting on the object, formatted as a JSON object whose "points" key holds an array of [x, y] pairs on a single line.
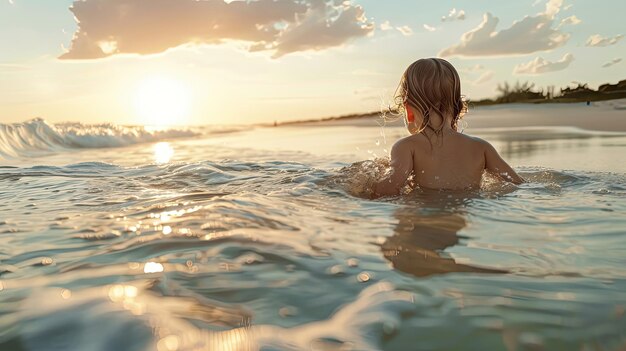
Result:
{"points": [[36, 136]]}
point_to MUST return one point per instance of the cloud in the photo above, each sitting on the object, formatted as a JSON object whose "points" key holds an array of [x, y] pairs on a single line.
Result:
{"points": [[454, 15], [528, 35], [405, 30], [553, 7], [483, 78], [385, 26], [539, 65], [475, 74], [323, 26], [470, 69], [109, 27], [598, 40], [429, 28], [612, 62], [571, 20]]}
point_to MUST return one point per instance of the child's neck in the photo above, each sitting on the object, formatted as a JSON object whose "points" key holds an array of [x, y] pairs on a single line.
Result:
{"points": [[439, 123]]}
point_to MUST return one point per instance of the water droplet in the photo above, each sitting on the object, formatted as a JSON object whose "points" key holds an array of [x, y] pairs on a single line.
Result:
{"points": [[364, 277], [353, 262], [167, 230], [337, 270], [66, 294], [46, 261]]}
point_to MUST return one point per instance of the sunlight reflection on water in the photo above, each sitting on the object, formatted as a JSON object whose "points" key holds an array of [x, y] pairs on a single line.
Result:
{"points": [[240, 248], [163, 152], [153, 267]]}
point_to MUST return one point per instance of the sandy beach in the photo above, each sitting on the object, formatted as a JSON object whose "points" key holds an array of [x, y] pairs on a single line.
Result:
{"points": [[607, 116]]}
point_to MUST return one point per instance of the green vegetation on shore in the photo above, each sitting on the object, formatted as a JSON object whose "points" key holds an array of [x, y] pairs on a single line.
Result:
{"points": [[527, 93]]}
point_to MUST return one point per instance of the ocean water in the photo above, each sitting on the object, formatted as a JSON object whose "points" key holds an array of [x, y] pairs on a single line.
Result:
{"points": [[261, 238]]}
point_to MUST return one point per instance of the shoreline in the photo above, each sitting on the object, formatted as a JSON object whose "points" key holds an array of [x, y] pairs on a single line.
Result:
{"points": [[609, 115]]}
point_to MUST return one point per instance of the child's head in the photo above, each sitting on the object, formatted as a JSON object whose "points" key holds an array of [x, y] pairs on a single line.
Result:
{"points": [[432, 88]]}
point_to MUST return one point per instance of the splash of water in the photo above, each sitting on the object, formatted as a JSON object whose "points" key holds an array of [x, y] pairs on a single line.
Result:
{"points": [[359, 178]]}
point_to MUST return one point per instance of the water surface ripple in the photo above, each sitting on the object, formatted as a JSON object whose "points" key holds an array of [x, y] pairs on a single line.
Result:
{"points": [[238, 250]]}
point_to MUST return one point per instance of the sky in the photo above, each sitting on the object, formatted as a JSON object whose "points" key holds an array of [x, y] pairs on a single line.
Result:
{"points": [[171, 62]]}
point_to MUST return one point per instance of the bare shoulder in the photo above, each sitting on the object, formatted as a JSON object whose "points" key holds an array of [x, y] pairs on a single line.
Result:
{"points": [[479, 143], [414, 141], [412, 144], [406, 144]]}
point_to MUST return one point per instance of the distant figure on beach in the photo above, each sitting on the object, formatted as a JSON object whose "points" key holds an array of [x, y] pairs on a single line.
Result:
{"points": [[436, 153]]}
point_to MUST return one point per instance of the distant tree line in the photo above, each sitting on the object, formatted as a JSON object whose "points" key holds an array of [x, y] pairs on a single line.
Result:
{"points": [[527, 93]]}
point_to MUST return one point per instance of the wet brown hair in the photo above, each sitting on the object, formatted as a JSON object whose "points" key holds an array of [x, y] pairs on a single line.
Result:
{"points": [[431, 85]]}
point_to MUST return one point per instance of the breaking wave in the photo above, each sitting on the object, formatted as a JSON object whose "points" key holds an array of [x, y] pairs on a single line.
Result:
{"points": [[37, 136]]}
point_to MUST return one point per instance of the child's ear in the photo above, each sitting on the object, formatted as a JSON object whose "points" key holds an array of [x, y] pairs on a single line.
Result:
{"points": [[410, 116], [410, 119]]}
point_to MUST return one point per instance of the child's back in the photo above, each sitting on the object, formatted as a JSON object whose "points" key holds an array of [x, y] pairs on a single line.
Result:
{"points": [[451, 161], [438, 156]]}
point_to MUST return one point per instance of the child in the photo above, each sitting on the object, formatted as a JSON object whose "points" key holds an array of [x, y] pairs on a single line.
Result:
{"points": [[437, 154]]}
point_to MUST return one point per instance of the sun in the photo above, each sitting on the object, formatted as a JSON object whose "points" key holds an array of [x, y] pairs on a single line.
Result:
{"points": [[162, 102]]}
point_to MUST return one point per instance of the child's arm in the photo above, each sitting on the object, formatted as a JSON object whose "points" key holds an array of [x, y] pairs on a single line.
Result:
{"points": [[495, 165], [401, 168]]}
